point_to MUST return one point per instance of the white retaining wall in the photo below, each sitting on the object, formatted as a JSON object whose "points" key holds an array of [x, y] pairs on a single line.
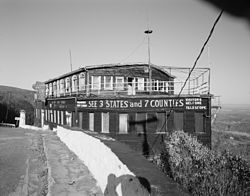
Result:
{"points": [[99, 159]]}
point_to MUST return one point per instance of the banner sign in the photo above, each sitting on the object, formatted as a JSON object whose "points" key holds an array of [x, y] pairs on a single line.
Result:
{"points": [[190, 103]]}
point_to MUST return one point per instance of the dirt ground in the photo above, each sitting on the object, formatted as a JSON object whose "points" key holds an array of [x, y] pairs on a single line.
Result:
{"points": [[23, 165]]}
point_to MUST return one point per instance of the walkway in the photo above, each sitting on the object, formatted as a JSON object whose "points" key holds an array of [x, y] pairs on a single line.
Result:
{"points": [[67, 174], [161, 185]]}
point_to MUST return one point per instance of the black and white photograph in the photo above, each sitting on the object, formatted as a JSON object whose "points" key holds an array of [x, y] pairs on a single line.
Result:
{"points": [[124, 98]]}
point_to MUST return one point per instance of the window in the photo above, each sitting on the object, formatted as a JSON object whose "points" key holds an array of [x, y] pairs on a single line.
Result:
{"points": [[47, 90], [74, 83], [96, 82], [58, 87], [147, 84], [161, 86], [82, 81], [54, 88], [119, 83], [140, 84], [67, 85], [108, 82], [62, 86], [50, 89], [155, 85], [166, 86]]}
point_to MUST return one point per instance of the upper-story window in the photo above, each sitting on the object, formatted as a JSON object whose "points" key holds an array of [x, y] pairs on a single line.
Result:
{"points": [[166, 86], [50, 89], [62, 86], [147, 84], [67, 85], [82, 81], [58, 87], [155, 85], [54, 88], [47, 90], [140, 84], [161, 85], [74, 83], [108, 82], [96, 83], [119, 83]]}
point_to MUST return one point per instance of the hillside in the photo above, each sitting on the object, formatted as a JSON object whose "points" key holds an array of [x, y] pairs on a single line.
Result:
{"points": [[12, 100], [231, 130]]}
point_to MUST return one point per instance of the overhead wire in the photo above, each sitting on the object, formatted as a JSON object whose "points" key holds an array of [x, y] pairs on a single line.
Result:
{"points": [[204, 45], [133, 51]]}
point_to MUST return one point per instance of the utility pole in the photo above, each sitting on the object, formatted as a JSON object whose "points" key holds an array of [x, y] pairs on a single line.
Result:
{"points": [[148, 32]]}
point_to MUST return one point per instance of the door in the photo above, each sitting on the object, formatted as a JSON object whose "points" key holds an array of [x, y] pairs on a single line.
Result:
{"points": [[80, 120], [105, 122], [123, 123], [91, 121]]}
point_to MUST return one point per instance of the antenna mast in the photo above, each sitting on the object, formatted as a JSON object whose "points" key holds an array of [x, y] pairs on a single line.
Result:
{"points": [[148, 32]]}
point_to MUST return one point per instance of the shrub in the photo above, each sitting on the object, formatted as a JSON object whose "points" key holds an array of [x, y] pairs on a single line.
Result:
{"points": [[202, 171]]}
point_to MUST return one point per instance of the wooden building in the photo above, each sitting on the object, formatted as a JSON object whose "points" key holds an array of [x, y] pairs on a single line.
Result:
{"points": [[123, 101]]}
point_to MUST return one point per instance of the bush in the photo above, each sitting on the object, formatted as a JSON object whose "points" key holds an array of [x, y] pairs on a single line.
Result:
{"points": [[202, 171]]}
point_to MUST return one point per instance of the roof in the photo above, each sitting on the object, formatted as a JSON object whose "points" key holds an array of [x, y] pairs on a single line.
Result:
{"points": [[91, 67]]}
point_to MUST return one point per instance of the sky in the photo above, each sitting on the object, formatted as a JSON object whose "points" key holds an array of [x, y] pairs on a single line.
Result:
{"points": [[37, 35]]}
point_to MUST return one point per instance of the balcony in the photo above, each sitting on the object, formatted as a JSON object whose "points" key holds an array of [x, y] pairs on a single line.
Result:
{"points": [[197, 84]]}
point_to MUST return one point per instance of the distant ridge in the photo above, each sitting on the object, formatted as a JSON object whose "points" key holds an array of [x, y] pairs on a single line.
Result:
{"points": [[10, 88], [12, 100]]}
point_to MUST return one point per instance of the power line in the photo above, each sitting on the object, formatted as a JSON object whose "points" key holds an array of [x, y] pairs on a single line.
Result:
{"points": [[133, 51], [210, 34]]}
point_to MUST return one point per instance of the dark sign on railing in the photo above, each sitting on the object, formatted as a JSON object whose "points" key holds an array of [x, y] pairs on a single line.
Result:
{"points": [[62, 104]]}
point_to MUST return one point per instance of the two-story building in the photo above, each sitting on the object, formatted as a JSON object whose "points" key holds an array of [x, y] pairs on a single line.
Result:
{"points": [[135, 103]]}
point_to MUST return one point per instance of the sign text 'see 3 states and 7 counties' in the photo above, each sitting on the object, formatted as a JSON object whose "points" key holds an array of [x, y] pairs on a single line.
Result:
{"points": [[178, 103]]}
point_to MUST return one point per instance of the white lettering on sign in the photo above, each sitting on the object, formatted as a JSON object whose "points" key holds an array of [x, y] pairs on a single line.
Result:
{"points": [[184, 103], [116, 104], [166, 103], [195, 104]]}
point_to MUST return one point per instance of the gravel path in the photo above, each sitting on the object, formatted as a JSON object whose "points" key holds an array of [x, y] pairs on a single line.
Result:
{"points": [[38, 163]]}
